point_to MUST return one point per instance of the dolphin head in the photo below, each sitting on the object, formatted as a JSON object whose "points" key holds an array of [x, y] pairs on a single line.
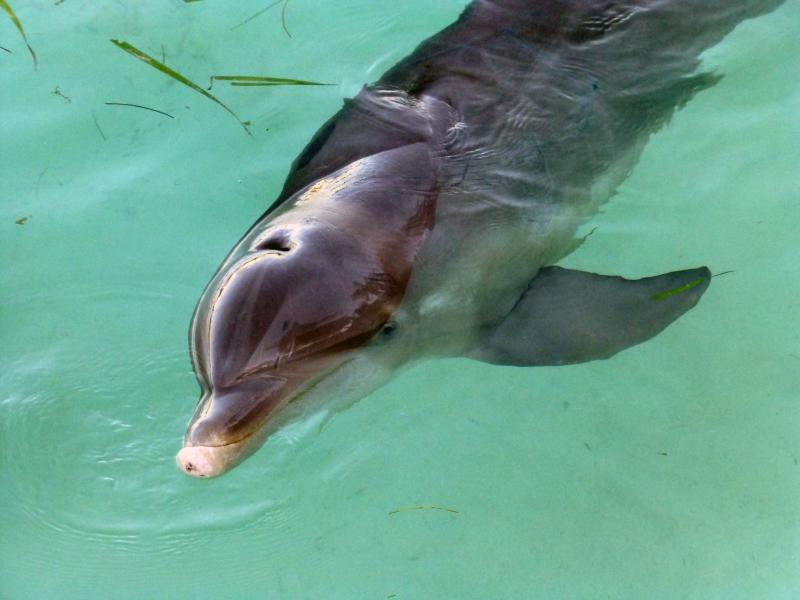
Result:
{"points": [[299, 296]]}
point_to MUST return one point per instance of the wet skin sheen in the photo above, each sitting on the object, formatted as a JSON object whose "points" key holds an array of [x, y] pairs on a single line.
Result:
{"points": [[424, 218]]}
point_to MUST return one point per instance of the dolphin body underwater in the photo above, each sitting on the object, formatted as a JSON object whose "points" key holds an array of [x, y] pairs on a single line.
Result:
{"points": [[425, 218]]}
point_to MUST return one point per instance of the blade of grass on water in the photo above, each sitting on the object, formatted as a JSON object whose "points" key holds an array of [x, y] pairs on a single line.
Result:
{"points": [[258, 14], [4, 5], [678, 290], [133, 51], [253, 84], [155, 110], [283, 18], [257, 80]]}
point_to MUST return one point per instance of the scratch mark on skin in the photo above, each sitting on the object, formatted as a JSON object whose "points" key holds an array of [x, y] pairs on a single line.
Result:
{"points": [[328, 186]]}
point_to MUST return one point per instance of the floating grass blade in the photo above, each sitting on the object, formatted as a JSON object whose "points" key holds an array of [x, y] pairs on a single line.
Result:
{"points": [[254, 80], [283, 18], [133, 51], [4, 5], [412, 508], [678, 290], [155, 110], [253, 84], [99, 129], [258, 14]]}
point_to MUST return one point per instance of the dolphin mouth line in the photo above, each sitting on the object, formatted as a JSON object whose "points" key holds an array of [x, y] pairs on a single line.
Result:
{"points": [[225, 445], [292, 399]]}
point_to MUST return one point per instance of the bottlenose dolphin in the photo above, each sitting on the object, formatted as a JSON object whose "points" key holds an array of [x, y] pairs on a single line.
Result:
{"points": [[426, 217]]}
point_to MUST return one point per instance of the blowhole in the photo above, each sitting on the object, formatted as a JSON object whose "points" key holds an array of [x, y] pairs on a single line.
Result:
{"points": [[278, 241]]}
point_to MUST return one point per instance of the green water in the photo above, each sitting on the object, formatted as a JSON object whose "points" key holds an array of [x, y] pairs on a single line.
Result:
{"points": [[670, 471]]}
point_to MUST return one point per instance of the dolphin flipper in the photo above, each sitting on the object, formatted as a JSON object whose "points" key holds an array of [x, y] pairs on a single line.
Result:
{"points": [[568, 317]]}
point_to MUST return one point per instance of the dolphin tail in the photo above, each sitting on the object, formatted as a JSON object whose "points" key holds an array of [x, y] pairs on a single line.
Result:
{"points": [[569, 317]]}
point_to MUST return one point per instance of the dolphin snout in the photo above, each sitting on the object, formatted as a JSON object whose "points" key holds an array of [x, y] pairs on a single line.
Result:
{"points": [[199, 461], [229, 425], [211, 461]]}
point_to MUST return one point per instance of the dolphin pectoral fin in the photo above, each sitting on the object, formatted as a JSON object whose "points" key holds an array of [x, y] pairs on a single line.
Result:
{"points": [[568, 317]]}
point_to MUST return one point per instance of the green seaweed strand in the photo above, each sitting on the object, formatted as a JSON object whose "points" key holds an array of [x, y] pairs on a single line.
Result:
{"points": [[431, 507], [678, 290], [254, 80], [4, 5], [133, 51]]}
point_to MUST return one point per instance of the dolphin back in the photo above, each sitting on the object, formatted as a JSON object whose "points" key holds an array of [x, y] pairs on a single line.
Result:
{"points": [[613, 37], [569, 84]]}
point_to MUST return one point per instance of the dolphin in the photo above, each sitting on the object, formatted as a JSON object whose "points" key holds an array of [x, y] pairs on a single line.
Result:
{"points": [[427, 217]]}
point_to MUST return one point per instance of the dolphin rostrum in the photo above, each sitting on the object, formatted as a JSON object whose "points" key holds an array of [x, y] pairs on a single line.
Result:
{"points": [[424, 219]]}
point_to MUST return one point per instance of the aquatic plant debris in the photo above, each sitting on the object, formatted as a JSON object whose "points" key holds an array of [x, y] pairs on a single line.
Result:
{"points": [[252, 84], [258, 14], [96, 124], [283, 18], [4, 5], [133, 51], [678, 290], [57, 92], [255, 80], [155, 110], [265, 9], [412, 508], [723, 273]]}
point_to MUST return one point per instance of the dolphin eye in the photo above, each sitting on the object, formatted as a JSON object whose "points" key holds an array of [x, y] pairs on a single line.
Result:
{"points": [[385, 333], [388, 329]]}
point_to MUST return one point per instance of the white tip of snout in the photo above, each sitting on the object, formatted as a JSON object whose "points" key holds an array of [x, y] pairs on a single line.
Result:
{"points": [[199, 461]]}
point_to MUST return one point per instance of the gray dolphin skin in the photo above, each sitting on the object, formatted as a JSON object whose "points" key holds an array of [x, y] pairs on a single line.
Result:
{"points": [[425, 218]]}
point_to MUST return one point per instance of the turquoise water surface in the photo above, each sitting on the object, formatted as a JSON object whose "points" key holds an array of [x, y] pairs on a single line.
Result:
{"points": [[670, 471]]}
